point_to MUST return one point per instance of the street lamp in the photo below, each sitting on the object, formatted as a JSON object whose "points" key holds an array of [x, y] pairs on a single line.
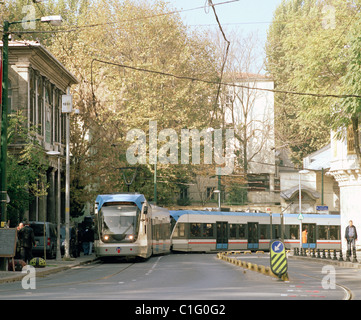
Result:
{"points": [[300, 202], [55, 21], [219, 198]]}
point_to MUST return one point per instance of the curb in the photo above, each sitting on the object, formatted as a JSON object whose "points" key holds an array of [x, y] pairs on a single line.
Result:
{"points": [[42, 273], [250, 266]]}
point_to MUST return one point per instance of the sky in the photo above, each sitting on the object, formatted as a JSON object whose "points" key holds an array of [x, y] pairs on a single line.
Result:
{"points": [[246, 15]]}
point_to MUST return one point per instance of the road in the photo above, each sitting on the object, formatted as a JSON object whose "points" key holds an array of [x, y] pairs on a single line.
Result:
{"points": [[187, 277]]}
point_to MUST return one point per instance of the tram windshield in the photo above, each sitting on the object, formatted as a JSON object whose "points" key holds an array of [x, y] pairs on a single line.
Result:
{"points": [[120, 222]]}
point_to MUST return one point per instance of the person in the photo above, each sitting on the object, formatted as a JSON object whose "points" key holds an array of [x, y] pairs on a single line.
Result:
{"points": [[26, 242], [18, 228], [304, 235], [351, 238], [87, 238]]}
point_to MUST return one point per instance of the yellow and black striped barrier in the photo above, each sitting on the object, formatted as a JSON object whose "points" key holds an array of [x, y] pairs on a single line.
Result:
{"points": [[250, 266]]}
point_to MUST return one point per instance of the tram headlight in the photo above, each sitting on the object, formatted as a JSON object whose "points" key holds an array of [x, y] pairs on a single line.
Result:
{"points": [[131, 237], [106, 238]]}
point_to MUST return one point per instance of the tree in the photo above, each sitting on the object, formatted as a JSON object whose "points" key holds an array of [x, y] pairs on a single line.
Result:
{"points": [[114, 99], [306, 52], [26, 168]]}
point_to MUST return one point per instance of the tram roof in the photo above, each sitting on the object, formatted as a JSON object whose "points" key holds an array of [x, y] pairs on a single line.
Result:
{"points": [[178, 213], [138, 199]]}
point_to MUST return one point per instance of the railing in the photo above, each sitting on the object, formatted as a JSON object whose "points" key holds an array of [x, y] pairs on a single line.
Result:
{"points": [[323, 254]]}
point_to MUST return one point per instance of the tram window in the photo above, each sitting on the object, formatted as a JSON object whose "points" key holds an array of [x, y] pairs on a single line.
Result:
{"points": [[179, 231], [322, 232], [208, 230], [293, 231], [264, 231], [334, 232], [157, 232], [242, 231], [233, 231], [195, 230], [276, 232]]}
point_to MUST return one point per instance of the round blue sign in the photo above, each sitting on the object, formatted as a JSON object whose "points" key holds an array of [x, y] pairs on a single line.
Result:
{"points": [[277, 246]]}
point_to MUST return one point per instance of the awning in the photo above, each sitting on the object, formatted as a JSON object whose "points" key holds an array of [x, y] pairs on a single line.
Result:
{"points": [[290, 193]]}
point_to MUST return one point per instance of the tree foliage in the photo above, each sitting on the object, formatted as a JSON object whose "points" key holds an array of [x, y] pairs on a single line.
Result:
{"points": [[26, 168], [308, 52]]}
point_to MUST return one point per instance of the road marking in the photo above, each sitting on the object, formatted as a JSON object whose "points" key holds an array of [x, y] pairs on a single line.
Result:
{"points": [[153, 267]]}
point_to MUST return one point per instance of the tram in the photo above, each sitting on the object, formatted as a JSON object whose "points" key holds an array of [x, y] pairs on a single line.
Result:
{"points": [[126, 225], [207, 231]]}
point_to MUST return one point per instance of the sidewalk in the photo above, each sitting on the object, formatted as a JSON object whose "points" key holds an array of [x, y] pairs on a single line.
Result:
{"points": [[52, 266]]}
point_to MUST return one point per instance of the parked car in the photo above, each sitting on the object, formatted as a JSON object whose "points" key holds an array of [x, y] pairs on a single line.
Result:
{"points": [[50, 238]]}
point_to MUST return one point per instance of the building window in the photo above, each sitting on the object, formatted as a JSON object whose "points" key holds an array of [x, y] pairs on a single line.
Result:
{"points": [[183, 194], [39, 104], [32, 98], [56, 115], [350, 141], [210, 193], [48, 114], [258, 182]]}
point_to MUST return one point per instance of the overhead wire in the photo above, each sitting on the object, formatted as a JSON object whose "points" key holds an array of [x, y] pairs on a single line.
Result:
{"points": [[224, 83], [225, 56]]}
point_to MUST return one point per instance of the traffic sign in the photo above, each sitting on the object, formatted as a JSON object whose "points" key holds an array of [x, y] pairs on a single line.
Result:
{"points": [[278, 259], [300, 216]]}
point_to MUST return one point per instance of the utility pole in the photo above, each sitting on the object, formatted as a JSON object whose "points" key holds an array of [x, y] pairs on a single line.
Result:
{"points": [[4, 122], [67, 107]]}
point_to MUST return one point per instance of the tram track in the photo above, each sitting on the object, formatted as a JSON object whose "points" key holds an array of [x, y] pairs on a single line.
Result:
{"points": [[348, 292]]}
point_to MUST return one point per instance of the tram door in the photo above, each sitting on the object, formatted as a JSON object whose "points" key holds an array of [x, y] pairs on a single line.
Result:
{"points": [[309, 238], [253, 238], [222, 235]]}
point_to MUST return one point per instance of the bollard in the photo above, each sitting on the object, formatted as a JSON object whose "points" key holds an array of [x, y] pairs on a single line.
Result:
{"points": [[314, 253], [341, 257], [318, 253], [323, 254], [328, 254], [348, 253], [334, 255], [354, 260]]}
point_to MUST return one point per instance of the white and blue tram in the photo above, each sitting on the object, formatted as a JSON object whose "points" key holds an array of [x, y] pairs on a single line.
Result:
{"points": [[207, 231], [126, 225]]}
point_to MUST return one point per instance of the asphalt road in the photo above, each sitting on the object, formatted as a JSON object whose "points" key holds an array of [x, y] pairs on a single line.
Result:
{"points": [[188, 277]]}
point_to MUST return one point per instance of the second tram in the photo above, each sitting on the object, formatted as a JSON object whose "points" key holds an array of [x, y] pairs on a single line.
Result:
{"points": [[207, 231]]}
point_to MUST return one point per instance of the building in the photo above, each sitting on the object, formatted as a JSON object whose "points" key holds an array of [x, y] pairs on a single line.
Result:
{"points": [[319, 190], [37, 81], [346, 171]]}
